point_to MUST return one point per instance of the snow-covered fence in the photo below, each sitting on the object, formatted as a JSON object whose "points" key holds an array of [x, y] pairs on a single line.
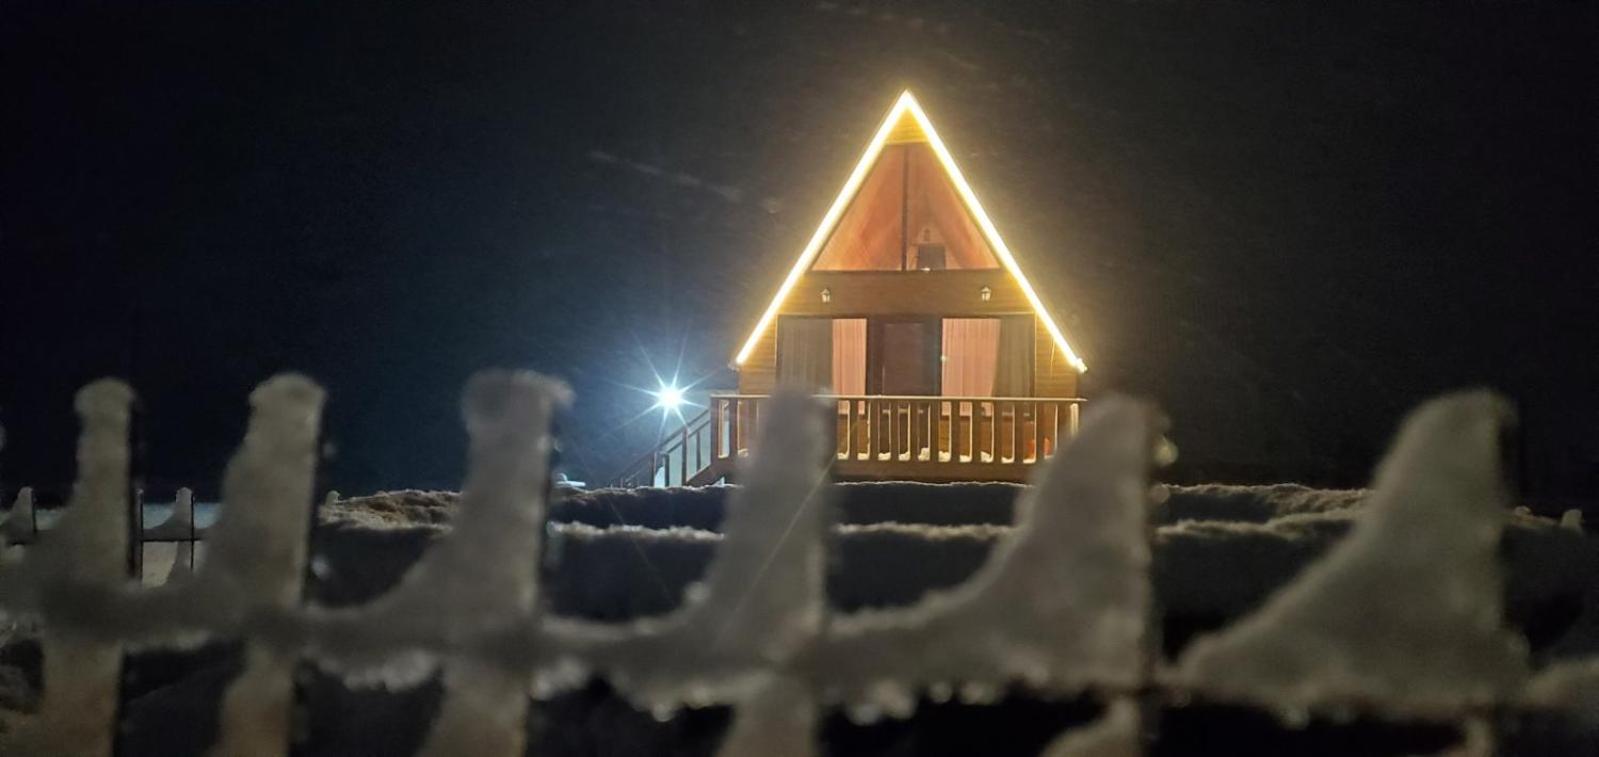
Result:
{"points": [[1402, 618]]}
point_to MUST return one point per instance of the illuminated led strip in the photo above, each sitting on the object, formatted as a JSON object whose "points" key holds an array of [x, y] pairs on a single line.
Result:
{"points": [[907, 103]]}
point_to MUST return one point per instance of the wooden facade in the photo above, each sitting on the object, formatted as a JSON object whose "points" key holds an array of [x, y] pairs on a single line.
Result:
{"points": [[949, 294], [918, 290]]}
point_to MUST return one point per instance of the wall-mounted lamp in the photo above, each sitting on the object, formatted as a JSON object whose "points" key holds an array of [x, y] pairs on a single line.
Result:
{"points": [[827, 295], [985, 294]]}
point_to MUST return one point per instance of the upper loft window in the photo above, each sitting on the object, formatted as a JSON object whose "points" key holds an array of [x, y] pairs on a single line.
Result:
{"points": [[906, 216]]}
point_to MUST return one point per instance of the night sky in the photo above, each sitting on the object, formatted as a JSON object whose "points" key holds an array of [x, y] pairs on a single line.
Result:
{"points": [[1287, 224]]}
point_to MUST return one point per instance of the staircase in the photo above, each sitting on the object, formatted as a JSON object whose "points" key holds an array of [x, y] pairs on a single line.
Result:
{"points": [[686, 457]]}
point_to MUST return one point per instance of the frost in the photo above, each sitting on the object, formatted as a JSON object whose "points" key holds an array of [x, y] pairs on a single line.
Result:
{"points": [[1401, 617], [1566, 686], [476, 583], [778, 720], [480, 578], [1063, 604], [761, 601], [1116, 734], [257, 555], [18, 525], [1405, 613], [87, 550]]}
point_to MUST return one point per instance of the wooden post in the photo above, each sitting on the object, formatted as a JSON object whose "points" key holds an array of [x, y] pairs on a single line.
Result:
{"points": [[682, 462], [716, 429]]}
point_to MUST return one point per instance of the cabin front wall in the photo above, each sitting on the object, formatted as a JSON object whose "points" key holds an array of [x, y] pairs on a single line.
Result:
{"points": [[948, 294]]}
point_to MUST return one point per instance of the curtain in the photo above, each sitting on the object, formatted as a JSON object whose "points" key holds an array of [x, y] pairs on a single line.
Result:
{"points": [[849, 356], [1013, 376], [970, 356], [804, 353]]}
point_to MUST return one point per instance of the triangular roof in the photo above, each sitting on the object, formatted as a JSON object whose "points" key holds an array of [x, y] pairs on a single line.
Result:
{"points": [[906, 122]]}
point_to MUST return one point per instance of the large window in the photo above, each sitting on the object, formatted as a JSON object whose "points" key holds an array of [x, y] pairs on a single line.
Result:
{"points": [[950, 357], [906, 216], [987, 357], [822, 354]]}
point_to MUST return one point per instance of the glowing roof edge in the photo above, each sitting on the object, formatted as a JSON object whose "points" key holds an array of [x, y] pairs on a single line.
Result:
{"points": [[906, 103]]}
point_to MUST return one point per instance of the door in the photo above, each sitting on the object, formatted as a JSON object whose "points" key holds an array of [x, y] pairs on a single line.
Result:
{"points": [[903, 356], [903, 359]]}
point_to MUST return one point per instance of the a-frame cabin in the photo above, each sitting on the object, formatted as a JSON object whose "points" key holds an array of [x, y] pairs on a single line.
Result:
{"points": [[908, 309]]}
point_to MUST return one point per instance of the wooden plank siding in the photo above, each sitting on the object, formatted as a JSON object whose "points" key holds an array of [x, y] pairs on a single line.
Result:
{"points": [[952, 294], [1053, 376], [948, 294]]}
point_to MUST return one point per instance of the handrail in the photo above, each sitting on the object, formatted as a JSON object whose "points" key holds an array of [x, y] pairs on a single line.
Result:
{"points": [[650, 462]]}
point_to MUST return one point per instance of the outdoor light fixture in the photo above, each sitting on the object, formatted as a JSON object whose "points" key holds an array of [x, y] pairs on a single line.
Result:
{"points": [[827, 295], [669, 398], [985, 294]]}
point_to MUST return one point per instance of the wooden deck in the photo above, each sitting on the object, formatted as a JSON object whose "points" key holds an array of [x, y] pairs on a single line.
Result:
{"points": [[877, 438]]}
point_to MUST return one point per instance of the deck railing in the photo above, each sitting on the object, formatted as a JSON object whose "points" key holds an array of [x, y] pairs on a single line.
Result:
{"points": [[917, 429], [872, 432]]}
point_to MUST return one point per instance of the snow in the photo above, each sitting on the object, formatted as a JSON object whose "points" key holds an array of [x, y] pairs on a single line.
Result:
{"points": [[472, 586], [1394, 603], [1404, 615], [1078, 559], [1116, 734], [85, 552], [778, 720], [762, 597]]}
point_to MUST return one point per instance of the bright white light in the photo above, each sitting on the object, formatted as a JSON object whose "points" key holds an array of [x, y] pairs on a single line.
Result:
{"points": [[669, 398]]}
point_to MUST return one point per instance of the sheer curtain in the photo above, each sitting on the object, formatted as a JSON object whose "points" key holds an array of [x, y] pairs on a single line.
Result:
{"points": [[971, 356], [1014, 367], [804, 353], [849, 356]]}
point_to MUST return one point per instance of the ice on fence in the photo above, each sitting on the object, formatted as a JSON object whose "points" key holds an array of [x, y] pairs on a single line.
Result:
{"points": [[1404, 615], [1063, 605], [1572, 686], [762, 598], [1117, 733], [482, 577], [777, 720], [258, 556], [84, 557]]}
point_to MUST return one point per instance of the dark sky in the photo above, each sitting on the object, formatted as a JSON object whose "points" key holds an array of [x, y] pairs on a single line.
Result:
{"points": [[1285, 222]]}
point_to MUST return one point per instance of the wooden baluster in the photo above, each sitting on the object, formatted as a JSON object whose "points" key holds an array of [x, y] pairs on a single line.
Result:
{"points": [[755, 424], [735, 428], [968, 435], [682, 478], [854, 429], [871, 429], [1017, 433], [993, 431], [716, 429], [899, 433], [918, 417], [955, 432], [1038, 431]]}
